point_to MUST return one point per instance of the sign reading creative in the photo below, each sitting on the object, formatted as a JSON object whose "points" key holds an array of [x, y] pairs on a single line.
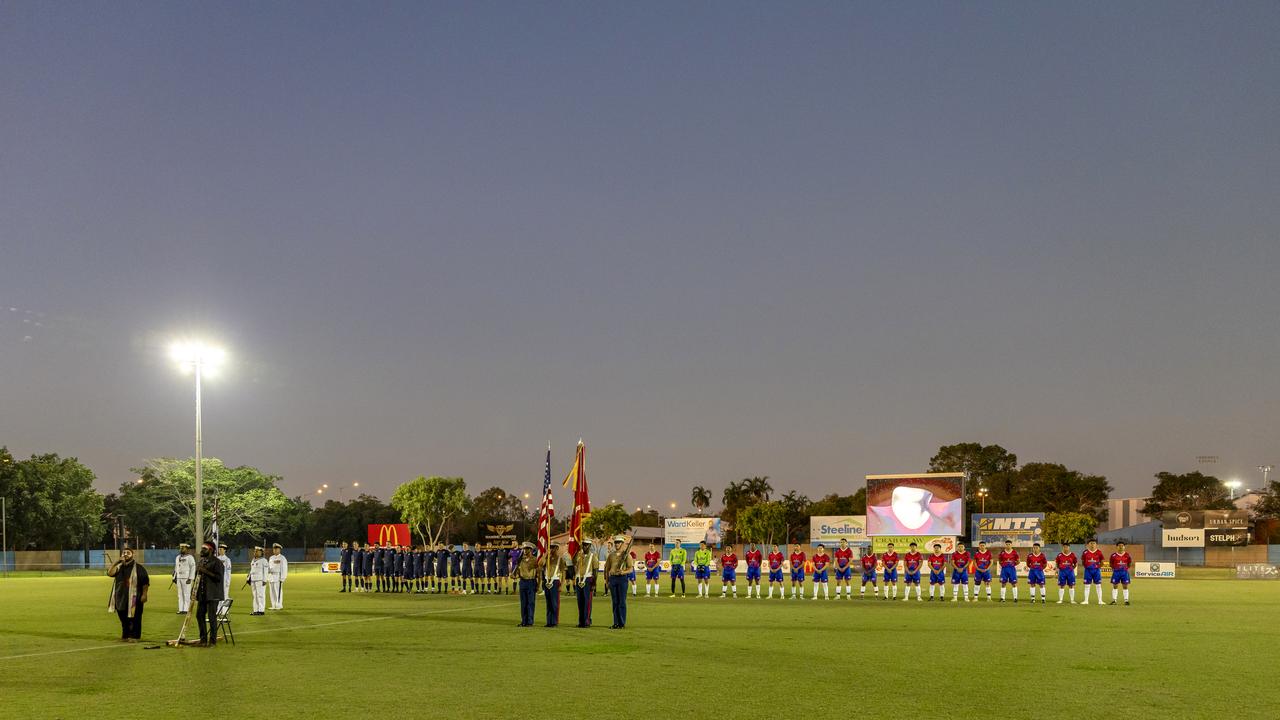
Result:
{"points": [[829, 529], [390, 534], [994, 528]]}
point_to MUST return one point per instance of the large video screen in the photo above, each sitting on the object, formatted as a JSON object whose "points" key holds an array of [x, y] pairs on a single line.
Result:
{"points": [[922, 504]]}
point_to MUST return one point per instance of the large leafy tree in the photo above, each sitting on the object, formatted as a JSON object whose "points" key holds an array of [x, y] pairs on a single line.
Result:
{"points": [[159, 507], [797, 507], [1188, 491], [836, 504], [351, 520], [606, 522], [51, 501], [989, 466], [763, 522], [646, 518], [428, 504], [1069, 527], [498, 504], [1052, 487]]}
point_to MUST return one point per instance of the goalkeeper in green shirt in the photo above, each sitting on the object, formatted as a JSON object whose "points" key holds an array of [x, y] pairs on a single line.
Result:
{"points": [[679, 556], [702, 569]]}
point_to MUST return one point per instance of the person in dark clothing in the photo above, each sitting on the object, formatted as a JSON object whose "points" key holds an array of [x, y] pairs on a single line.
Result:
{"points": [[129, 594], [208, 595]]}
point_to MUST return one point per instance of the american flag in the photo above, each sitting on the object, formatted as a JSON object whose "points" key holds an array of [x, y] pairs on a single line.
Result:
{"points": [[546, 511], [213, 528]]}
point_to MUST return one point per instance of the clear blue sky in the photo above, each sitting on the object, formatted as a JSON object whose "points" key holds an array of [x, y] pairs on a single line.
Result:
{"points": [[714, 239]]}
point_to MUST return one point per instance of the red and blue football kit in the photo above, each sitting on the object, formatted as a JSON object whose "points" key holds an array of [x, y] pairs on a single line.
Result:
{"points": [[652, 565], [1035, 569], [982, 566], [911, 564], [1066, 563], [1120, 563], [729, 568], [1092, 562], [868, 569], [937, 569], [820, 562], [890, 561], [775, 568], [844, 564], [1009, 567], [754, 559], [797, 567], [960, 567]]}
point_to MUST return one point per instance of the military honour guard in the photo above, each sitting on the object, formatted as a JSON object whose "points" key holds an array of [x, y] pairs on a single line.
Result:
{"points": [[277, 573], [184, 573], [257, 581]]}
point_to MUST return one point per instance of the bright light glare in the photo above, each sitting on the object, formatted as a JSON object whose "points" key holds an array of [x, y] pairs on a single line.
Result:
{"points": [[190, 353], [1233, 484]]}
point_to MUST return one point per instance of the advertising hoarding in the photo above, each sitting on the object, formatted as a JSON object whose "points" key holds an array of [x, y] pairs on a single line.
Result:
{"points": [[828, 529], [691, 531], [915, 504], [994, 528]]}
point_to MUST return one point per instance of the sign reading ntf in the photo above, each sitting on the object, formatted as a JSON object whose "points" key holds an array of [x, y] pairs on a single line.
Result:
{"points": [[1022, 528]]}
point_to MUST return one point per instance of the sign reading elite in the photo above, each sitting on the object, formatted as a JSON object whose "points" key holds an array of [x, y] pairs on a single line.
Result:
{"points": [[390, 534]]}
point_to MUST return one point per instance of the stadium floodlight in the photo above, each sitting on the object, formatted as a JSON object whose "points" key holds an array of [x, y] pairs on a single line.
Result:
{"points": [[1233, 485], [200, 358]]}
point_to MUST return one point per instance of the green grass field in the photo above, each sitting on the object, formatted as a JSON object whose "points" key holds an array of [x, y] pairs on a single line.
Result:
{"points": [[1186, 648]]}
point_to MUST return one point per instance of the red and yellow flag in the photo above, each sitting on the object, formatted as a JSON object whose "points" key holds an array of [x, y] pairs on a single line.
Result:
{"points": [[577, 479]]}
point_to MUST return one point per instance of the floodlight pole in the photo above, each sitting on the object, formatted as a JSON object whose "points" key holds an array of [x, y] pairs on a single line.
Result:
{"points": [[4, 535], [199, 464]]}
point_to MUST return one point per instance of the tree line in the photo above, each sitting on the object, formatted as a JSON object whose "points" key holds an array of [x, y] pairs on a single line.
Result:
{"points": [[51, 503]]}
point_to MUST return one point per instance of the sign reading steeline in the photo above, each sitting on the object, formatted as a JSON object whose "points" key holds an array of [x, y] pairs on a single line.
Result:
{"points": [[828, 529]]}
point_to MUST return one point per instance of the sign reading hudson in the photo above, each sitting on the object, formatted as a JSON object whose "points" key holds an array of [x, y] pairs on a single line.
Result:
{"points": [[1183, 537]]}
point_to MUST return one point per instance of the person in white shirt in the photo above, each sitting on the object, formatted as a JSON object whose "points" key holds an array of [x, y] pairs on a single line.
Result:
{"points": [[258, 582], [226, 571], [184, 574], [277, 573]]}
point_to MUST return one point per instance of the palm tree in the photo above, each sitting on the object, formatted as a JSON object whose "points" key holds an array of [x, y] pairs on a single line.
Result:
{"points": [[701, 498], [758, 488]]}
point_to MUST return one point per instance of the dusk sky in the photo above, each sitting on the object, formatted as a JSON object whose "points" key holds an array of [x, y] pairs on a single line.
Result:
{"points": [[810, 241]]}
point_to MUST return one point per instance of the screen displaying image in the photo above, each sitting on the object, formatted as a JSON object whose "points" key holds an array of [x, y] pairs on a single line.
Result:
{"points": [[926, 504]]}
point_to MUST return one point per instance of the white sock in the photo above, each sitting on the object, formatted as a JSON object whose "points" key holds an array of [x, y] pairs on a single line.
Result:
{"points": [[735, 589], [863, 590], [1115, 592], [826, 591], [1126, 594], [1015, 592], [1062, 591]]}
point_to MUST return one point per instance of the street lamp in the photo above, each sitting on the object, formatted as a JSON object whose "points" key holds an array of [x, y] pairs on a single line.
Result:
{"points": [[1232, 486], [344, 487], [983, 493], [201, 359], [1266, 472]]}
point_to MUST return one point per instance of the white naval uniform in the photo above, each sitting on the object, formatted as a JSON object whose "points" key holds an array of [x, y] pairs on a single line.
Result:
{"points": [[277, 573], [184, 573], [258, 583], [226, 577]]}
